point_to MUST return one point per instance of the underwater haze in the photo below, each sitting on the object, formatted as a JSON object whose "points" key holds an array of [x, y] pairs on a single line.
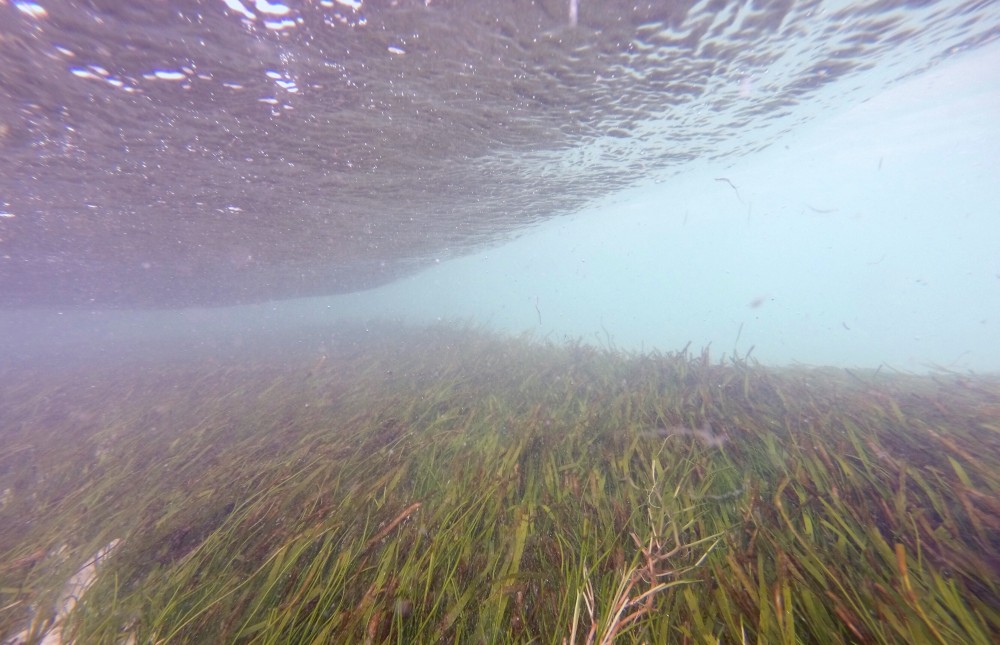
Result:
{"points": [[813, 180], [870, 235]]}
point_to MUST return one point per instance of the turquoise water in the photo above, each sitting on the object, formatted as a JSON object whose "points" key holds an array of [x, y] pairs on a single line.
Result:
{"points": [[816, 181]]}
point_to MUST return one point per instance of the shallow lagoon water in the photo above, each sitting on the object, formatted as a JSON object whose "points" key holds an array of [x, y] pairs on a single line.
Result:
{"points": [[558, 322]]}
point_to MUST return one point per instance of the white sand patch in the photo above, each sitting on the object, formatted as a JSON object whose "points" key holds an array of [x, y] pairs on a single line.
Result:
{"points": [[71, 593]]}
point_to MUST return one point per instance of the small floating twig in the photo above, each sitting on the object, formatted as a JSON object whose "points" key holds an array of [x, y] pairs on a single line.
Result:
{"points": [[731, 185]]}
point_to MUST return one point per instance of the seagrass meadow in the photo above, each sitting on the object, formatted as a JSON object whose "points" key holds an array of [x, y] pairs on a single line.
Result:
{"points": [[445, 484]]}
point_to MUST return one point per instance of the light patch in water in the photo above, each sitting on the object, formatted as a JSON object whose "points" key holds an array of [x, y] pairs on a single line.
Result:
{"points": [[98, 73], [283, 81], [32, 9], [238, 7], [83, 73], [169, 75], [279, 25], [273, 9]]}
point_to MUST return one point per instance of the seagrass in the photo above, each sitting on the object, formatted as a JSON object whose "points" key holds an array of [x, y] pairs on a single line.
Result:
{"points": [[409, 485]]}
